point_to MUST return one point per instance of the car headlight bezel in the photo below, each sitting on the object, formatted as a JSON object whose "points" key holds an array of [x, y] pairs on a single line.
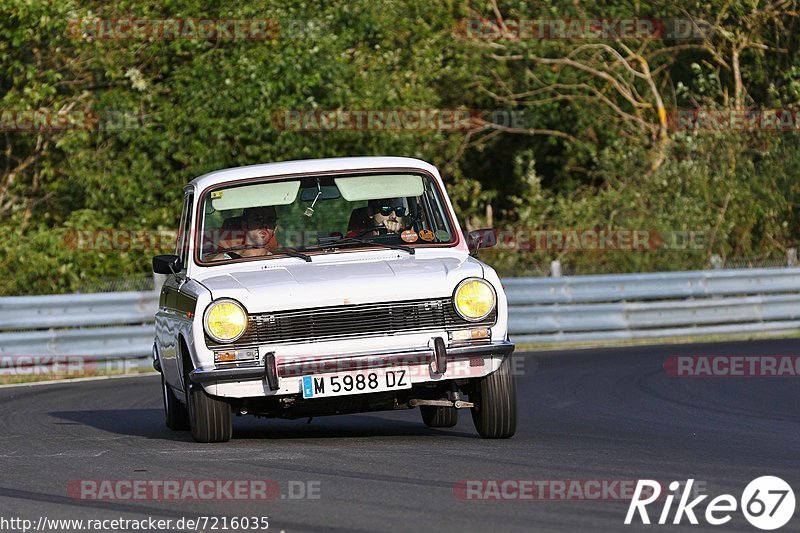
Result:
{"points": [[483, 282], [211, 307]]}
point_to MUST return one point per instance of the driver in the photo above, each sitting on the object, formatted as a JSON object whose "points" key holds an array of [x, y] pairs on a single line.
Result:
{"points": [[388, 213], [258, 229]]}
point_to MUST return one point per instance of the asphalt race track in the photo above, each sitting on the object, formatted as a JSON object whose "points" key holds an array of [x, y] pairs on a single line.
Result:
{"points": [[601, 414]]}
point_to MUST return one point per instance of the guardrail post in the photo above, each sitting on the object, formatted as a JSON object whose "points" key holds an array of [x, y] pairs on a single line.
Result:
{"points": [[791, 257], [555, 268], [716, 262], [158, 281]]}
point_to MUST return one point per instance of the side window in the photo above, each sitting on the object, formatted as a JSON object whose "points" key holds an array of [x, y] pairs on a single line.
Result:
{"points": [[184, 235]]}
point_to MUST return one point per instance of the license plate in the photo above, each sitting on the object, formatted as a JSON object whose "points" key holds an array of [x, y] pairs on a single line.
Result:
{"points": [[358, 382]]}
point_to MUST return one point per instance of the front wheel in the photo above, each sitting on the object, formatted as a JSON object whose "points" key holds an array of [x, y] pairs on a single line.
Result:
{"points": [[495, 399], [439, 417], [210, 418], [175, 414]]}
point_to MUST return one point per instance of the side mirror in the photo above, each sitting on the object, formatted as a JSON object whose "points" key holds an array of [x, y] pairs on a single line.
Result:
{"points": [[481, 238], [167, 264]]}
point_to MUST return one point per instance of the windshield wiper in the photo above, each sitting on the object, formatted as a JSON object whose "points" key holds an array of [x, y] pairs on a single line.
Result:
{"points": [[292, 252], [354, 240]]}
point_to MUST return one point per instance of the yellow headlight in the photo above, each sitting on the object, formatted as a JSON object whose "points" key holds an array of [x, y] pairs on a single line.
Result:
{"points": [[474, 299], [225, 321]]}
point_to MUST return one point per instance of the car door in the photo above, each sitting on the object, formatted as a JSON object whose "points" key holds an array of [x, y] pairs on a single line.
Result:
{"points": [[172, 317]]}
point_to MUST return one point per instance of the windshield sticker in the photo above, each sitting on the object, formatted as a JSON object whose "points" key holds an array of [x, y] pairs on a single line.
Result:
{"points": [[409, 235], [426, 235]]}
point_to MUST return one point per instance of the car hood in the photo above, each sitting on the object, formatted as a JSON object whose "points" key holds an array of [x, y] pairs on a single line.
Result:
{"points": [[322, 284]]}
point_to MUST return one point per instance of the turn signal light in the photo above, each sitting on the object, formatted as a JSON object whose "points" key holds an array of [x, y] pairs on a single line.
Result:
{"points": [[236, 356], [470, 334]]}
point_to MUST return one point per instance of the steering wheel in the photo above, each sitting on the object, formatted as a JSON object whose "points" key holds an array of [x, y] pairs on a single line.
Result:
{"points": [[367, 230]]}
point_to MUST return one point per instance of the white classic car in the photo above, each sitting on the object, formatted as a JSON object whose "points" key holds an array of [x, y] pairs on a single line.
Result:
{"points": [[329, 286]]}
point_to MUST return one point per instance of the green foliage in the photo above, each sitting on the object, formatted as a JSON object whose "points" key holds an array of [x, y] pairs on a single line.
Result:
{"points": [[165, 111]]}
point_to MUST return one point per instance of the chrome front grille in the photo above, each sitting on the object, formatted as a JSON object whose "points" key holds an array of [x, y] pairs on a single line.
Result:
{"points": [[327, 323]]}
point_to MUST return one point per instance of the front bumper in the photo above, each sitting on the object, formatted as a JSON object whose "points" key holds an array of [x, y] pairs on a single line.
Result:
{"points": [[274, 368]]}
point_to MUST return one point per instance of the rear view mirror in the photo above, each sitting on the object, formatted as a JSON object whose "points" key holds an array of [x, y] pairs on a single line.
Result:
{"points": [[327, 192]]}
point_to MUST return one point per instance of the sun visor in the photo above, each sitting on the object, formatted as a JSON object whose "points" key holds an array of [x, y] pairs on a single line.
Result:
{"points": [[275, 193], [356, 188]]}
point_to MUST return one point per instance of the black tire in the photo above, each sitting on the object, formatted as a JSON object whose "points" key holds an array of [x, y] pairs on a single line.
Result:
{"points": [[439, 417], [210, 419], [175, 414], [495, 399]]}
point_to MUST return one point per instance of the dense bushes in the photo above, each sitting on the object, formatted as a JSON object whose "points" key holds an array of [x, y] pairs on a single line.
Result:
{"points": [[165, 111]]}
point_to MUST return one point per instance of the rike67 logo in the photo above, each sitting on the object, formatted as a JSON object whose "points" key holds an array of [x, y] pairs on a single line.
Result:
{"points": [[767, 502]]}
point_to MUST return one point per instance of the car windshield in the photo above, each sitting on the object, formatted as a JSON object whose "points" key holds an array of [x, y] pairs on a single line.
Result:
{"points": [[326, 214]]}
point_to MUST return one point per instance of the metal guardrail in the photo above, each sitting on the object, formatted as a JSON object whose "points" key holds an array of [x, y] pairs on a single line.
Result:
{"points": [[629, 306], [111, 326], [95, 326]]}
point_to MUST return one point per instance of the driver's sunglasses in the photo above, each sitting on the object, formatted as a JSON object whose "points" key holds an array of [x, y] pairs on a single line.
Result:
{"points": [[386, 210]]}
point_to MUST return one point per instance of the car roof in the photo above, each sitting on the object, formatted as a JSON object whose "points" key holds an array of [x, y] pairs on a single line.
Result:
{"points": [[311, 166]]}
